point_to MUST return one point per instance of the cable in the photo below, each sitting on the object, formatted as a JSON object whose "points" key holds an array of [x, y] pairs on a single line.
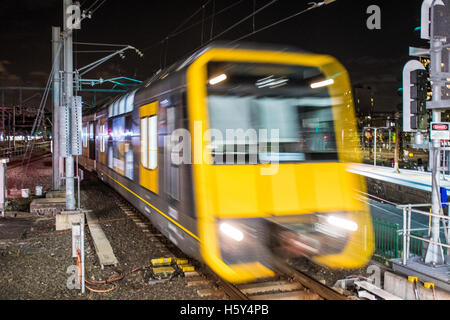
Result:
{"points": [[245, 19], [176, 33], [274, 24], [93, 4], [212, 21], [93, 11], [236, 24], [193, 15]]}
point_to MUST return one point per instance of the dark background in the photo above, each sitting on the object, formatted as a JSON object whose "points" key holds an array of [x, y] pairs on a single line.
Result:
{"points": [[373, 57]]}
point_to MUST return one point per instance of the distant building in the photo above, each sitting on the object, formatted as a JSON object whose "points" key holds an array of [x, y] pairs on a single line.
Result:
{"points": [[364, 101]]}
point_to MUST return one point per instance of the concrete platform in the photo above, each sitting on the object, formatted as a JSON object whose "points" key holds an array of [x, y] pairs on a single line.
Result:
{"points": [[409, 178], [65, 219], [440, 275], [102, 246], [48, 206], [55, 194], [401, 287]]}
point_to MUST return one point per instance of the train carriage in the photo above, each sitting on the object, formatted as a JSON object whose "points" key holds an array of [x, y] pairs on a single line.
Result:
{"points": [[238, 155]]}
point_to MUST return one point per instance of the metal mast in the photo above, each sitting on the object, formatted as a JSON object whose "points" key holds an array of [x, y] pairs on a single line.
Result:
{"points": [[68, 100], [56, 41]]}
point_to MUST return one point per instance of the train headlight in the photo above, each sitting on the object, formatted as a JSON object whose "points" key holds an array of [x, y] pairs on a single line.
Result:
{"points": [[346, 224], [231, 232]]}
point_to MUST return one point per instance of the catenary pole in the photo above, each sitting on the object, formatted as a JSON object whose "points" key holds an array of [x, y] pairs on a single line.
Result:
{"points": [[56, 31], [68, 98]]}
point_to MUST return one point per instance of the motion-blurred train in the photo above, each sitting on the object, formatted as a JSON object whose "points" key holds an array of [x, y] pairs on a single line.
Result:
{"points": [[239, 202]]}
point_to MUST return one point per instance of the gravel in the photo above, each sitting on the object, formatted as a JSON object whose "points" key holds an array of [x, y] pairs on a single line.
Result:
{"points": [[34, 258]]}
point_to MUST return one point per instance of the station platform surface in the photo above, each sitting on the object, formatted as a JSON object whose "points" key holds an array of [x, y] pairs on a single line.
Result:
{"points": [[409, 178]]}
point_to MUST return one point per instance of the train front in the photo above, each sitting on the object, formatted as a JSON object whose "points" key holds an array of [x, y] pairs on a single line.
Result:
{"points": [[273, 135]]}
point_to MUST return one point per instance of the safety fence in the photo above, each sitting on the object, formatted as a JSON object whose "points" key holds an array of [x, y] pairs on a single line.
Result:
{"points": [[389, 241]]}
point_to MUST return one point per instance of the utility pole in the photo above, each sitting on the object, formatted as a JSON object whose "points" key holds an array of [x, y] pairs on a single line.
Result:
{"points": [[68, 100], [56, 159]]}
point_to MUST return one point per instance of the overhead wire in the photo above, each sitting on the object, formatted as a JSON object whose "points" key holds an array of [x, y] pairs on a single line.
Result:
{"points": [[93, 11], [274, 24], [236, 24], [177, 32], [93, 4]]}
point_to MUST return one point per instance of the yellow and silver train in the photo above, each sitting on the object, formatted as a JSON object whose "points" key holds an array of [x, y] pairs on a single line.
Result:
{"points": [[239, 156]]}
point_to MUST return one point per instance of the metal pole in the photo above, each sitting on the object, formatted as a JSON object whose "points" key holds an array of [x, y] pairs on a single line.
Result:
{"points": [[404, 237], [397, 143], [68, 69], [434, 253], [408, 239], [3, 114], [375, 148], [56, 31], [14, 127]]}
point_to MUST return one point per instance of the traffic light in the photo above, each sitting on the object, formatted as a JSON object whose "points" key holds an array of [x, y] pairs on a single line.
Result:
{"points": [[419, 96]]}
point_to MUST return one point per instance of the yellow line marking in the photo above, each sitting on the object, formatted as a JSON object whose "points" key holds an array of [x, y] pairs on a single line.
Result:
{"points": [[159, 211]]}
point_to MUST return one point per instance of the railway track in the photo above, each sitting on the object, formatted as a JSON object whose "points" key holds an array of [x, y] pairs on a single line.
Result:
{"points": [[290, 284], [19, 162]]}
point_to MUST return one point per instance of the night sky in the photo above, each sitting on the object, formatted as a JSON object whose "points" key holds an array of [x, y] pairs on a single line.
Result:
{"points": [[372, 57]]}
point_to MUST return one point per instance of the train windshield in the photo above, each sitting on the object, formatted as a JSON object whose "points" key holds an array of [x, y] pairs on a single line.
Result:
{"points": [[261, 111]]}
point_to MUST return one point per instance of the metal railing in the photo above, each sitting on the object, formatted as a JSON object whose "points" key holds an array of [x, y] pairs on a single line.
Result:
{"points": [[389, 241], [412, 237]]}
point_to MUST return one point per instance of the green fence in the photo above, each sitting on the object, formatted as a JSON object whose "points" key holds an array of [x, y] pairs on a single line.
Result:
{"points": [[389, 242]]}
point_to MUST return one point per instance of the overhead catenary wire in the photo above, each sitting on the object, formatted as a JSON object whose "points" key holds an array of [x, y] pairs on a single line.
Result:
{"points": [[177, 32], [275, 23], [235, 25], [93, 11]]}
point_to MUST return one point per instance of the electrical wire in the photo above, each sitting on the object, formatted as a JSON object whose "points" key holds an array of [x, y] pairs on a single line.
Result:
{"points": [[274, 24], [235, 25], [178, 32], [93, 4], [244, 19], [93, 11]]}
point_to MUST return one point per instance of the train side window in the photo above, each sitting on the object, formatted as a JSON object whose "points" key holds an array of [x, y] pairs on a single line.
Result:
{"points": [[85, 136], [144, 142], [153, 142], [149, 142], [102, 138]]}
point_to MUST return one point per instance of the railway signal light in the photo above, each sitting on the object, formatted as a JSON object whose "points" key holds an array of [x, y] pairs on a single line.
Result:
{"points": [[415, 95], [419, 96]]}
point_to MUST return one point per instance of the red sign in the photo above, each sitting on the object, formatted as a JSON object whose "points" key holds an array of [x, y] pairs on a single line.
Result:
{"points": [[440, 127]]}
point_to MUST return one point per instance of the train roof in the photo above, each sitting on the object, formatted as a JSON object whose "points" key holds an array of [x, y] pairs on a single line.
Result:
{"points": [[182, 64]]}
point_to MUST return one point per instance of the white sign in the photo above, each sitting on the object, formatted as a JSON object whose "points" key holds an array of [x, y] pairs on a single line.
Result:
{"points": [[440, 131]]}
